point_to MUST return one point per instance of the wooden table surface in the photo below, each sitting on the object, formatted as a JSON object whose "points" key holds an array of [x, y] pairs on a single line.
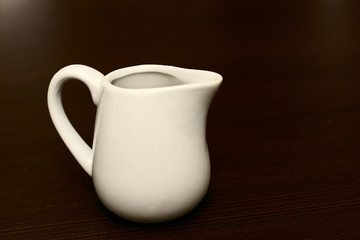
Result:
{"points": [[283, 131]]}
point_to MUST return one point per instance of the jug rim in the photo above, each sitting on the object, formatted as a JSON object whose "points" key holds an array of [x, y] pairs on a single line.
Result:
{"points": [[208, 78]]}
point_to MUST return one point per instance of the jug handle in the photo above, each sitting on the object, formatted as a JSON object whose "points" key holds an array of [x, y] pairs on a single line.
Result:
{"points": [[93, 80]]}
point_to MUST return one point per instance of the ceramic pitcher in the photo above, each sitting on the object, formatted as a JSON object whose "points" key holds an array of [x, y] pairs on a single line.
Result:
{"points": [[149, 159]]}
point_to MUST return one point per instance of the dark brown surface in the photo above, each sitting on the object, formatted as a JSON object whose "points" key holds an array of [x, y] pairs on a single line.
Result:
{"points": [[283, 131]]}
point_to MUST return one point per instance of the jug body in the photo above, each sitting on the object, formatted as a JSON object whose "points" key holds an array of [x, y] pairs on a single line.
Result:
{"points": [[150, 160]]}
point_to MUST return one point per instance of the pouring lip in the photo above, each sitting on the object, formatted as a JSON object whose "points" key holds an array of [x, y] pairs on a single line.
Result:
{"points": [[209, 78]]}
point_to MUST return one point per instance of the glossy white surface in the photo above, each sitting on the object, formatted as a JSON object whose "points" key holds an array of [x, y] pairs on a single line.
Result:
{"points": [[149, 160]]}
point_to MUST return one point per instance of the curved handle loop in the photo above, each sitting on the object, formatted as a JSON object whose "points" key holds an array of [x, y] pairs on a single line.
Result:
{"points": [[93, 80]]}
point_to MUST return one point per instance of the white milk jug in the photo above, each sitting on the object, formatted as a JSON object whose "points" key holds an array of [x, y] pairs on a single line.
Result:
{"points": [[149, 160]]}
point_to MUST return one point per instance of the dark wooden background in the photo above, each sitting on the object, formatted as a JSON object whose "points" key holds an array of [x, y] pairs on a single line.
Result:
{"points": [[283, 131]]}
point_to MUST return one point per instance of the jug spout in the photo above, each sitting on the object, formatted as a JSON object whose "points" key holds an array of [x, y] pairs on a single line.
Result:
{"points": [[202, 78], [198, 91], [202, 84]]}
